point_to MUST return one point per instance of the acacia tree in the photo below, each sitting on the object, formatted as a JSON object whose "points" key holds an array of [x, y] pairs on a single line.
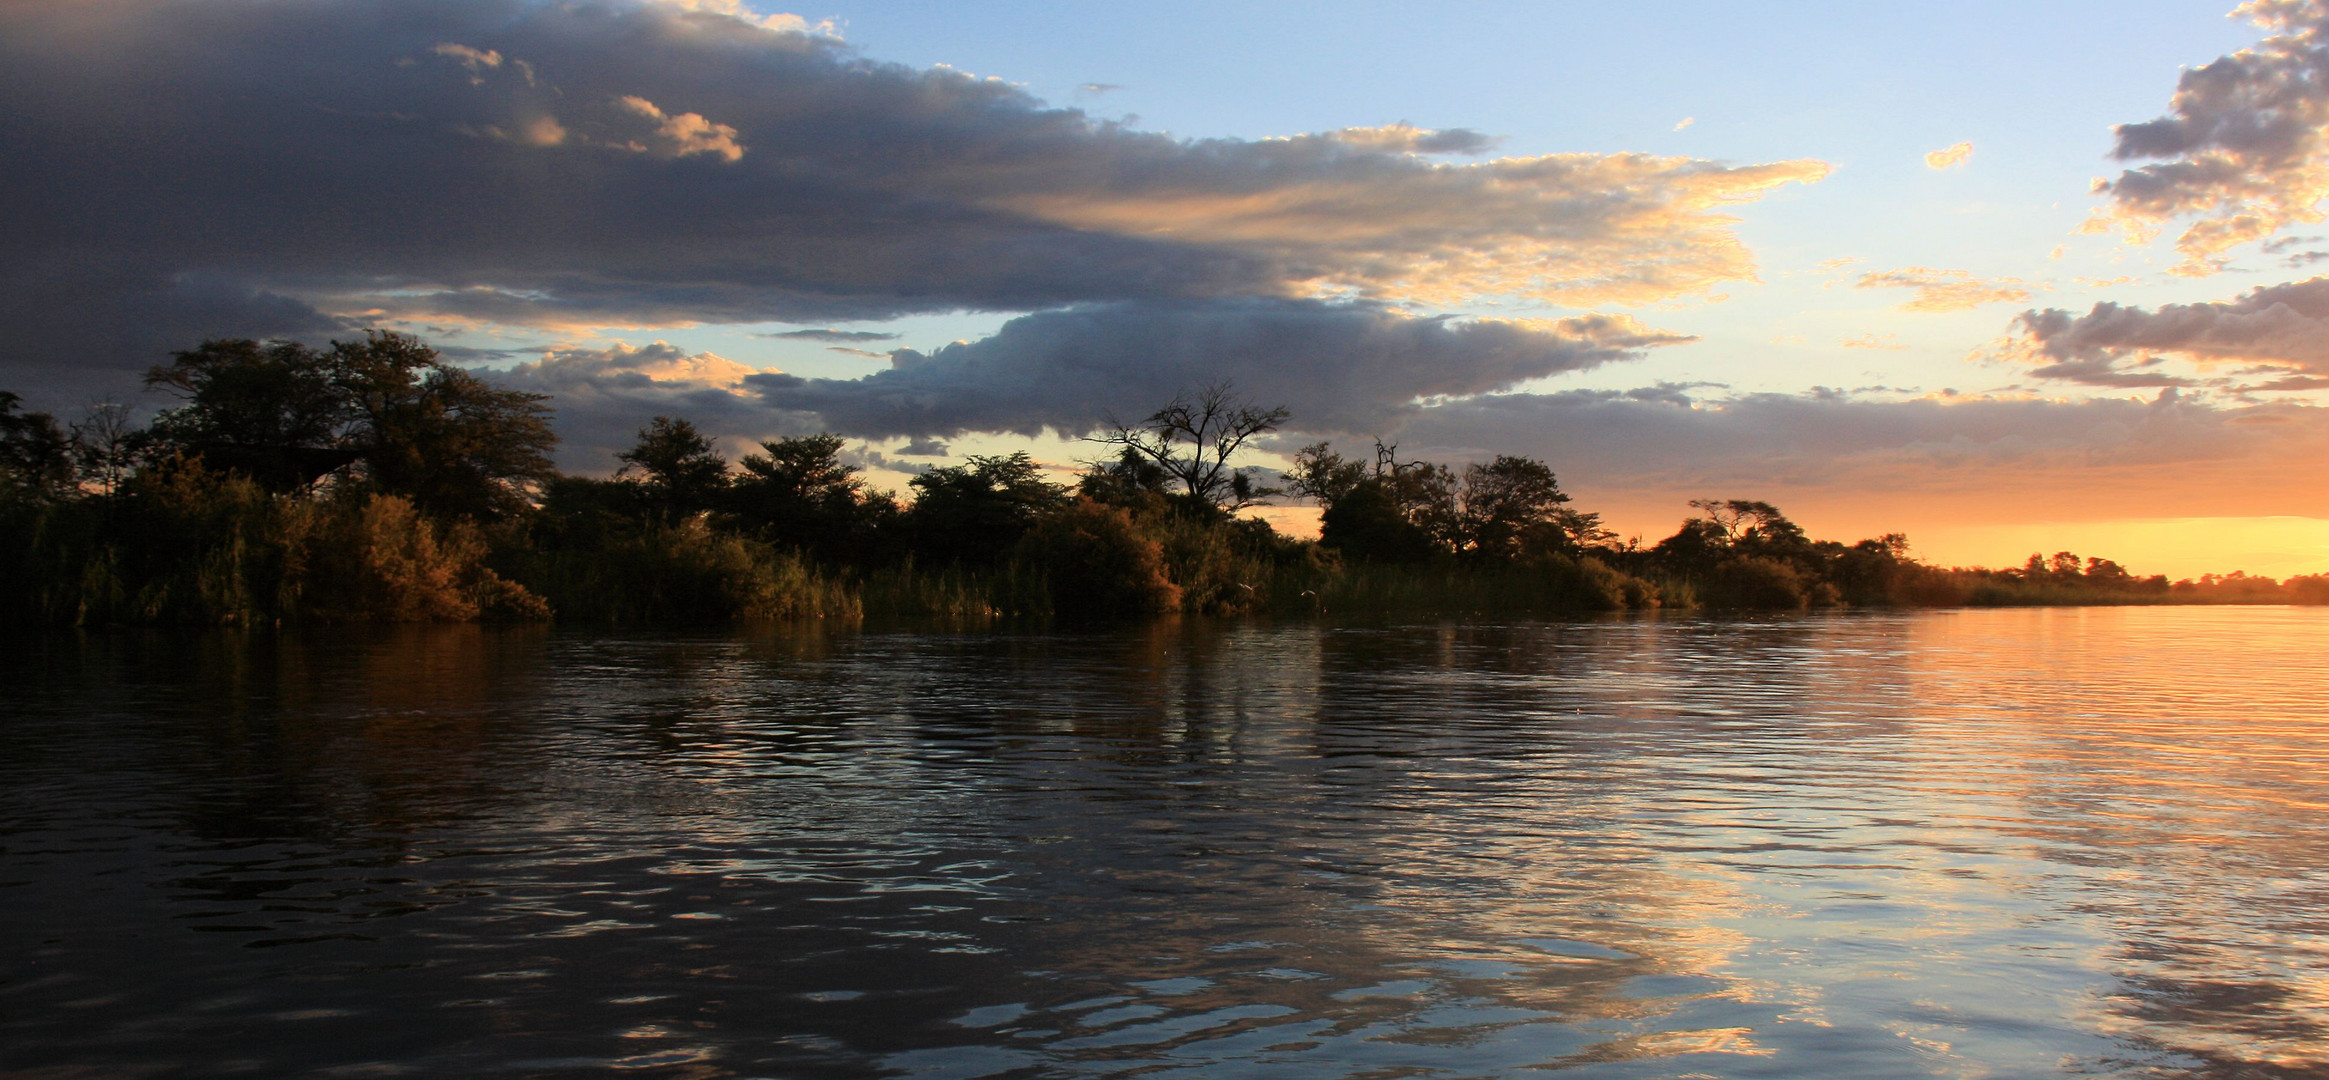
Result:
{"points": [[1193, 439]]}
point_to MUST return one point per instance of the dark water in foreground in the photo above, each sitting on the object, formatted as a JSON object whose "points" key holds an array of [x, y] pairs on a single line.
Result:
{"points": [[1977, 844]]}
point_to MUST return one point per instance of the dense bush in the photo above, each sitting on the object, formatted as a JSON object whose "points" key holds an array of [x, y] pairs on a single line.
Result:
{"points": [[1095, 562]]}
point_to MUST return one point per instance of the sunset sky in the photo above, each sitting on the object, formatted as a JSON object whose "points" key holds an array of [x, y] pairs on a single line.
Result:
{"points": [[2006, 277]]}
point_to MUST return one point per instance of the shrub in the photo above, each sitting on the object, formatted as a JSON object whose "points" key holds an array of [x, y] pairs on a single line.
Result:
{"points": [[1096, 562], [379, 559], [1755, 584], [682, 573]]}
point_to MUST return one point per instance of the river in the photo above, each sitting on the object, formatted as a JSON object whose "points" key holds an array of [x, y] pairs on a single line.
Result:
{"points": [[2012, 843]]}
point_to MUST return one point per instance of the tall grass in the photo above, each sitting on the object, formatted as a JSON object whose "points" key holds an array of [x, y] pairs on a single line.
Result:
{"points": [[682, 573], [1549, 585], [188, 546]]}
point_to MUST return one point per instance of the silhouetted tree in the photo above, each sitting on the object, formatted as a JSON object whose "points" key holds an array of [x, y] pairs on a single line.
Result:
{"points": [[1694, 549], [1324, 476], [1509, 506], [1128, 479], [1193, 440], [796, 493], [36, 459], [676, 465], [107, 446], [1368, 522], [270, 411], [285, 415], [436, 434], [975, 512]]}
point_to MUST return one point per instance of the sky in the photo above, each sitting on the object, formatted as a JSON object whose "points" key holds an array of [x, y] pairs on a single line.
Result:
{"points": [[2007, 278]]}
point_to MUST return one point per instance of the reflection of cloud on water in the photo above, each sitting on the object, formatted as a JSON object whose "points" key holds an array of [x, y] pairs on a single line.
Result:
{"points": [[2172, 786], [1639, 843]]}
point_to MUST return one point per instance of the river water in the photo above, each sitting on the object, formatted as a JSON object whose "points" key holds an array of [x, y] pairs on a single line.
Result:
{"points": [[1944, 844]]}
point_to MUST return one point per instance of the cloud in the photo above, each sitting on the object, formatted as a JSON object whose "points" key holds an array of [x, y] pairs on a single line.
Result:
{"points": [[2244, 149], [1871, 341], [1353, 368], [1409, 139], [735, 9], [1985, 458], [830, 335], [603, 396], [1947, 290], [681, 135], [659, 164], [1685, 122], [2281, 327], [1953, 156], [1348, 367], [867, 353]]}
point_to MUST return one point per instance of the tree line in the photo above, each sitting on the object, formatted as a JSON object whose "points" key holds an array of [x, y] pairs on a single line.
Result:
{"points": [[371, 480]]}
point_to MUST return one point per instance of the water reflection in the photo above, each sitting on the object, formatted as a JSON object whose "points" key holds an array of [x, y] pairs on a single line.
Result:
{"points": [[1983, 843]]}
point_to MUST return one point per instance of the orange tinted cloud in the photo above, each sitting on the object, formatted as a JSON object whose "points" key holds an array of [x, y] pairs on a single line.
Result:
{"points": [[1955, 155], [1574, 229], [1948, 290]]}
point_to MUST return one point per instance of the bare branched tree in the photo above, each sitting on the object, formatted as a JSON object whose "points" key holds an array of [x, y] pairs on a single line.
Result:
{"points": [[1193, 438], [105, 445]]}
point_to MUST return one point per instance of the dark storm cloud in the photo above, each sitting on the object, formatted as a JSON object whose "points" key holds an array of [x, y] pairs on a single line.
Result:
{"points": [[2282, 327], [1340, 367], [183, 169]]}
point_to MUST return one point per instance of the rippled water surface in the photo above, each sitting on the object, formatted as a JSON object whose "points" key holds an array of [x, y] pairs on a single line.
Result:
{"points": [[1972, 844]]}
